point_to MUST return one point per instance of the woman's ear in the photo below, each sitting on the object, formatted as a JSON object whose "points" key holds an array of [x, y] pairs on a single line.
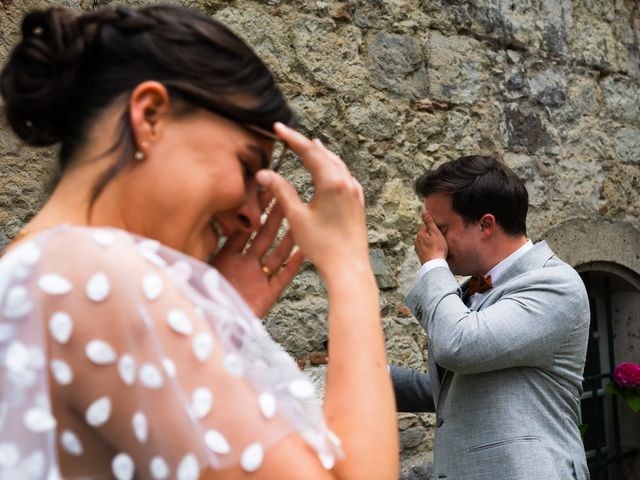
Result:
{"points": [[148, 104]]}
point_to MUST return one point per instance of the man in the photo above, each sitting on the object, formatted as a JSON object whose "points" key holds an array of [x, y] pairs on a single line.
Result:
{"points": [[505, 363]]}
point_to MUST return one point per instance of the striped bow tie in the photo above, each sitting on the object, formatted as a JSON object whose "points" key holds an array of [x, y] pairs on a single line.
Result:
{"points": [[479, 284]]}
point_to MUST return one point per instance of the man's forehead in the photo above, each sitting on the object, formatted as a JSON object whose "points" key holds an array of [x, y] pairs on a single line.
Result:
{"points": [[438, 202]]}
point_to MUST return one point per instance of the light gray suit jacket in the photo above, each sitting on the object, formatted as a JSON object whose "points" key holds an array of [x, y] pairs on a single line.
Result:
{"points": [[508, 404]]}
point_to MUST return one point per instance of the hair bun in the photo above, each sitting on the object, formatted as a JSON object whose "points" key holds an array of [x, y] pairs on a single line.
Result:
{"points": [[40, 74]]}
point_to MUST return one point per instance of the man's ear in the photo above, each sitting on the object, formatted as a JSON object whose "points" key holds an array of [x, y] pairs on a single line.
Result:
{"points": [[148, 104], [487, 224]]}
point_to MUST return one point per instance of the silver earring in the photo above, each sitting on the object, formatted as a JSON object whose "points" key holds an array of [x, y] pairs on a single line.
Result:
{"points": [[139, 155]]}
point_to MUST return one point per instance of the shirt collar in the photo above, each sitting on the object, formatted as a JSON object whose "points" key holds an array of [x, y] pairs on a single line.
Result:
{"points": [[497, 271]]}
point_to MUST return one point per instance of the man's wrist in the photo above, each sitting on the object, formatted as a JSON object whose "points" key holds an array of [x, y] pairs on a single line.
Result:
{"points": [[430, 265]]}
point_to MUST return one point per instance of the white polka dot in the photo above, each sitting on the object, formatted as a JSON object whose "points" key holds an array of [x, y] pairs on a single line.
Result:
{"points": [[333, 438], [3, 414], [182, 270], [327, 460], [98, 412], [188, 469], [37, 359], [216, 442], [54, 473], [179, 322], [30, 253], [150, 245], [7, 332], [17, 357], [159, 468], [71, 443], [152, 286], [103, 238], [17, 303], [169, 367], [127, 369], [252, 457], [123, 467], [150, 376], [211, 280], [98, 287], [201, 402], [140, 426], [100, 352], [38, 420], [301, 388], [233, 365], [149, 250], [267, 403], [34, 465], [9, 455], [60, 327], [61, 371], [203, 346], [54, 284], [23, 379]]}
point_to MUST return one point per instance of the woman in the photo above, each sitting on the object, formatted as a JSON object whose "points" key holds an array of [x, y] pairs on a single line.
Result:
{"points": [[123, 353]]}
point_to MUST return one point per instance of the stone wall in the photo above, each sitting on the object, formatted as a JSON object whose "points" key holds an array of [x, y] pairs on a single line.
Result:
{"points": [[399, 86]]}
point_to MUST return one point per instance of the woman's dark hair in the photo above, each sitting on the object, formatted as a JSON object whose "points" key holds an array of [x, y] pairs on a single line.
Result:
{"points": [[479, 185], [67, 69]]}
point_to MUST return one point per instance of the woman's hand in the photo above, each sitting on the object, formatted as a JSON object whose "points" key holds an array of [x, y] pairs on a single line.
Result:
{"points": [[260, 279], [331, 229]]}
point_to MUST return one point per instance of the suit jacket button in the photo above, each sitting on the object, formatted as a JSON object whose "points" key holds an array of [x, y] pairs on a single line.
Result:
{"points": [[439, 422]]}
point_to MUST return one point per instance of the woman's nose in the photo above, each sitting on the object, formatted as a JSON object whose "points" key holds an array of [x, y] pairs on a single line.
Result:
{"points": [[248, 216]]}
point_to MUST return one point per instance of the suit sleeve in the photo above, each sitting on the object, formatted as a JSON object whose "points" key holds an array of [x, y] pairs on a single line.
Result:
{"points": [[412, 390], [526, 325]]}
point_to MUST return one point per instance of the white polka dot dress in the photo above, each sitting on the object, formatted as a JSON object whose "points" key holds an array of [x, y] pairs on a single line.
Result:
{"points": [[169, 371]]}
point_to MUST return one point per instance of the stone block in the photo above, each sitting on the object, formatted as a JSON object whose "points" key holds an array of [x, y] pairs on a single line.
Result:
{"points": [[456, 69], [384, 277], [525, 130], [396, 63], [373, 119], [622, 99], [329, 53], [627, 145], [412, 437], [549, 87]]}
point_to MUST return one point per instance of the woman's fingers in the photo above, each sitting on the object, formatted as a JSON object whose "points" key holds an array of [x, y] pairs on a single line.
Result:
{"points": [[282, 191], [289, 270], [278, 257], [315, 157], [267, 233]]}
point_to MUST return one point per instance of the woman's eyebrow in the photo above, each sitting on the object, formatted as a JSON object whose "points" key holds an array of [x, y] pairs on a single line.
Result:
{"points": [[264, 159]]}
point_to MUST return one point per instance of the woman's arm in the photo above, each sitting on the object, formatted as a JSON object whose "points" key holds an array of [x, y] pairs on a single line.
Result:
{"points": [[331, 232]]}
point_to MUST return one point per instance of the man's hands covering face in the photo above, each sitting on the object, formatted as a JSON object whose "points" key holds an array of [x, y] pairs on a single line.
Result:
{"points": [[430, 242]]}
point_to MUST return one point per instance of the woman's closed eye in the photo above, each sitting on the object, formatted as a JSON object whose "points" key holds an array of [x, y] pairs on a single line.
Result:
{"points": [[247, 171]]}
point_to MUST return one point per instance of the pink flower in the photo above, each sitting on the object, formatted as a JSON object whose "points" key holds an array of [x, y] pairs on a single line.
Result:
{"points": [[627, 375]]}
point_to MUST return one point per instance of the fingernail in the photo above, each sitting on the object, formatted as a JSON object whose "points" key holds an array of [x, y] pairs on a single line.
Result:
{"points": [[263, 177], [279, 125]]}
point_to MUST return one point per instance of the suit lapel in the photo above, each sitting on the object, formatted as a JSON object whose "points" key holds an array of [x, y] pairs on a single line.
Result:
{"points": [[534, 258]]}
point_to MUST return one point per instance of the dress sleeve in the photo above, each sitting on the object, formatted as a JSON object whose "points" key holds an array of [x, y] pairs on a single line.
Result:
{"points": [[151, 356]]}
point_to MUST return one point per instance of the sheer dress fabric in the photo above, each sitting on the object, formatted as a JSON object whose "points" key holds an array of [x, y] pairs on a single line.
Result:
{"points": [[111, 342]]}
